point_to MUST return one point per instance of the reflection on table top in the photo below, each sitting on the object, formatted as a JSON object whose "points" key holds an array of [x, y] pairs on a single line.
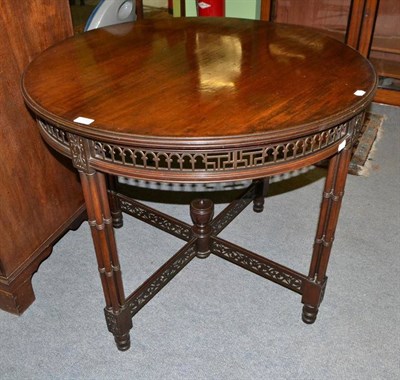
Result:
{"points": [[199, 79]]}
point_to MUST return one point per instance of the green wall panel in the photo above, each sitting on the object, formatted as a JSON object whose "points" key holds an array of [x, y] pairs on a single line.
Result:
{"points": [[233, 8]]}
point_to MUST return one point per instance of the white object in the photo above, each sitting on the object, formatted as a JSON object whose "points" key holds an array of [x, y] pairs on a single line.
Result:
{"points": [[111, 12], [359, 93], [204, 5], [83, 120], [341, 145]]}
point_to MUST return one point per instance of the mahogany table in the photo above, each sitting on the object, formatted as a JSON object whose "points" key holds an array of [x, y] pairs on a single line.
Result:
{"points": [[198, 101]]}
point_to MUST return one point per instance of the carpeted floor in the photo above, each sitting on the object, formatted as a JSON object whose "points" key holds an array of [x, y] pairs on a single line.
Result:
{"points": [[218, 321]]}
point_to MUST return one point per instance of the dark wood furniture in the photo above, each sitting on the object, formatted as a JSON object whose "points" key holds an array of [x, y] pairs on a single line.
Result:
{"points": [[233, 99], [370, 26], [40, 195]]}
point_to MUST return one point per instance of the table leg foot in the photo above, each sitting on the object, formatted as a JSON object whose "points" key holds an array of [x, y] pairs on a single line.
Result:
{"points": [[117, 220], [123, 342], [313, 293], [309, 314], [119, 323], [260, 193]]}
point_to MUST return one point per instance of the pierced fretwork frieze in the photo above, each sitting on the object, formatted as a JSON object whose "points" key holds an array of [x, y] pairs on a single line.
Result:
{"points": [[200, 160], [54, 132], [158, 280], [211, 161], [155, 218], [257, 264]]}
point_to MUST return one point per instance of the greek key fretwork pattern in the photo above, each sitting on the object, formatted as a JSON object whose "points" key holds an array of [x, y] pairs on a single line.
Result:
{"points": [[195, 161], [218, 161], [254, 264]]}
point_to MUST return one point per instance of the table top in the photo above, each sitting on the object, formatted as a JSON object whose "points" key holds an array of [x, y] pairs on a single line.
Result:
{"points": [[198, 83]]}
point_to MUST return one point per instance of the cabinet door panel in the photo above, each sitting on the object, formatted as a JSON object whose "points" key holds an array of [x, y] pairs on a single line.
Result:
{"points": [[330, 16], [385, 48]]}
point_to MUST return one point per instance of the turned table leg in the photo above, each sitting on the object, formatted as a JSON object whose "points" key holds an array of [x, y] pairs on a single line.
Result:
{"points": [[99, 216], [329, 214], [202, 212], [261, 190]]}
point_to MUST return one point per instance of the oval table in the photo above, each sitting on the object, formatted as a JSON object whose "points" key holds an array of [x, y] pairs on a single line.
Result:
{"points": [[200, 100]]}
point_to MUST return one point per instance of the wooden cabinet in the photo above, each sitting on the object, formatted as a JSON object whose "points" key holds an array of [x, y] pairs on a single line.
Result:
{"points": [[331, 16], [370, 26], [40, 196], [384, 51]]}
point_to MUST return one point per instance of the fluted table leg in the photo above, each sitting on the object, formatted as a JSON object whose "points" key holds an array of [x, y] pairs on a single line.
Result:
{"points": [[100, 221], [329, 214]]}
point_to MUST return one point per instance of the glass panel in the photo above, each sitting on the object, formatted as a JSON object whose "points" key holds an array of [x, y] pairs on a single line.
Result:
{"points": [[385, 49], [331, 16]]}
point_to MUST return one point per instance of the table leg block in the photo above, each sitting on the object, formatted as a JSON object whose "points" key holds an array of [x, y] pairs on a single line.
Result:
{"points": [[313, 294], [119, 324]]}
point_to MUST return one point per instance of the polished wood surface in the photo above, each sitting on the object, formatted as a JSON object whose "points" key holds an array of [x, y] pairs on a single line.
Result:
{"points": [[370, 11], [369, 26], [200, 100], [40, 196], [191, 79]]}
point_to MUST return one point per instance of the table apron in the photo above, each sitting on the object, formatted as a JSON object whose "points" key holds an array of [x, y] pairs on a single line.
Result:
{"points": [[201, 165]]}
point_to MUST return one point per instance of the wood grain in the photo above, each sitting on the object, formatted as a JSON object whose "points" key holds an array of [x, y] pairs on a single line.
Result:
{"points": [[39, 193], [196, 79]]}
